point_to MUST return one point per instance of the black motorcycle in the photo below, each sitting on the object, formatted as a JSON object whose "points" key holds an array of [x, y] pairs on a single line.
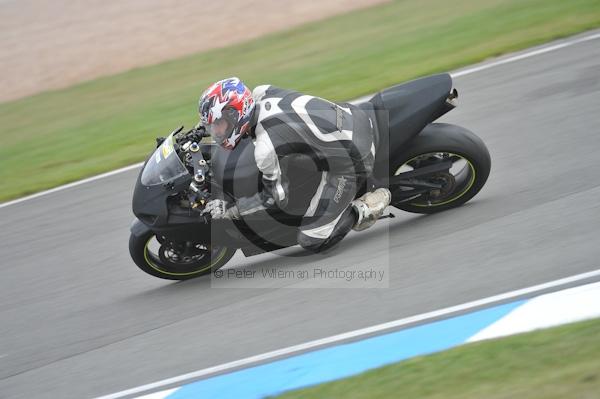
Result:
{"points": [[428, 167]]}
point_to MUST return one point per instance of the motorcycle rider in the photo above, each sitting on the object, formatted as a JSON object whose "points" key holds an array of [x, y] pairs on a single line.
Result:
{"points": [[337, 137]]}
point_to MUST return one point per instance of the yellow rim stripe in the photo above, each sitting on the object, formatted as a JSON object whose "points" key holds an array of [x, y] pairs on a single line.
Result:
{"points": [[466, 190], [158, 269]]}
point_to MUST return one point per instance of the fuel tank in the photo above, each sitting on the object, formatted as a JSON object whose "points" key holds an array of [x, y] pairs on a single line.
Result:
{"points": [[237, 165], [235, 171]]}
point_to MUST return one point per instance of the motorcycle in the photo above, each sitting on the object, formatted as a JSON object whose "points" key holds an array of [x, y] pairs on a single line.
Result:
{"points": [[429, 167]]}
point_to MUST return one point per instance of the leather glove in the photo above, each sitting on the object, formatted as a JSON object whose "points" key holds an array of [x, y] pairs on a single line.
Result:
{"points": [[218, 210]]}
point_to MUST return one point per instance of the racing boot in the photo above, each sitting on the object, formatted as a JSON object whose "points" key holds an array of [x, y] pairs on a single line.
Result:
{"points": [[370, 207]]}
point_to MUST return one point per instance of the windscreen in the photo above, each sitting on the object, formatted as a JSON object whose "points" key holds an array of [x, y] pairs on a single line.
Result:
{"points": [[163, 165]]}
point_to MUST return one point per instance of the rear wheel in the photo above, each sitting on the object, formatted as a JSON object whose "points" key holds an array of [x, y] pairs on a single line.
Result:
{"points": [[437, 143], [176, 261]]}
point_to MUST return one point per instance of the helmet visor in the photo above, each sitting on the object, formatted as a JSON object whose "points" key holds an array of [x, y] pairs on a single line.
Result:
{"points": [[222, 127], [220, 130]]}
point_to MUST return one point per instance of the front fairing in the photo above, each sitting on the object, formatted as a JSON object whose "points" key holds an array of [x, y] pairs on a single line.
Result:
{"points": [[156, 203], [164, 165], [163, 176]]}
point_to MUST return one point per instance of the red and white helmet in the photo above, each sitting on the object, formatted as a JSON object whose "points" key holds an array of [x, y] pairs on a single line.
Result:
{"points": [[226, 110]]}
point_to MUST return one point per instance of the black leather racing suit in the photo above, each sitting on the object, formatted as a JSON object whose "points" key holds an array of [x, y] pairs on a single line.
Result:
{"points": [[338, 138]]}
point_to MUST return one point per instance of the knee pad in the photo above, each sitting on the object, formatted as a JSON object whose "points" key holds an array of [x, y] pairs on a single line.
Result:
{"points": [[310, 243]]}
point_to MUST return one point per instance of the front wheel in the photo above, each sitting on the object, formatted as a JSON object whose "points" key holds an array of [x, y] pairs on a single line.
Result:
{"points": [[176, 261], [437, 143]]}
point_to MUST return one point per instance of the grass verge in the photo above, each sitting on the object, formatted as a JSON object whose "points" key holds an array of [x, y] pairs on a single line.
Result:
{"points": [[561, 362], [60, 136]]}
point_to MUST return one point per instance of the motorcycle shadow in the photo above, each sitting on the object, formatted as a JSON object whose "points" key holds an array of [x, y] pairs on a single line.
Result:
{"points": [[401, 231]]}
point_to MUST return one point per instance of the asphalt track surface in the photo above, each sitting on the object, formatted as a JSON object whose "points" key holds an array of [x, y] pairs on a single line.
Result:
{"points": [[77, 319]]}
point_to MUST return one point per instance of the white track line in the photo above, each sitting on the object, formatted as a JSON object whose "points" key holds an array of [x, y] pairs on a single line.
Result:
{"points": [[481, 67], [355, 334], [527, 54], [74, 184]]}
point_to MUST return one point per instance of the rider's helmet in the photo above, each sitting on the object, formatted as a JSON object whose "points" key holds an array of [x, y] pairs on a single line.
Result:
{"points": [[226, 110]]}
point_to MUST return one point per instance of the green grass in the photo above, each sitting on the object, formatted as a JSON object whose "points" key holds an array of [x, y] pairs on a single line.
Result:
{"points": [[61, 136], [562, 362]]}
